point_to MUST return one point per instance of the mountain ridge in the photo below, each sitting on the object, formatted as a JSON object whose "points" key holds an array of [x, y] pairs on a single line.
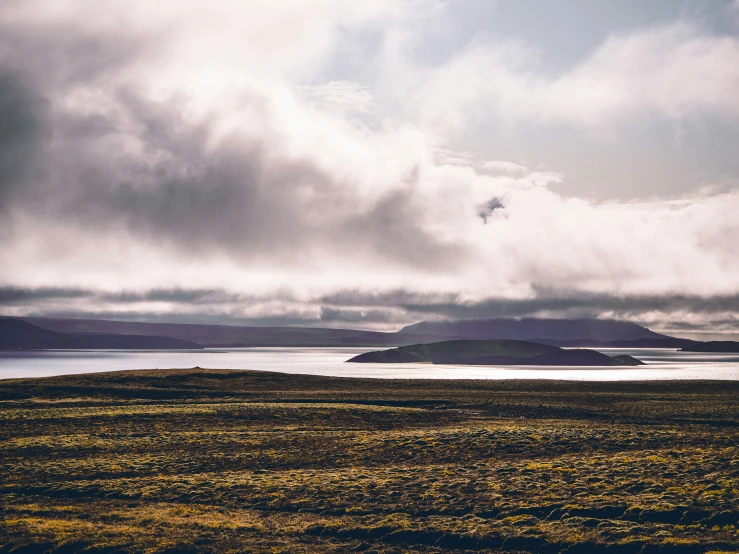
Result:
{"points": [[536, 328], [16, 334], [719, 346], [594, 333]]}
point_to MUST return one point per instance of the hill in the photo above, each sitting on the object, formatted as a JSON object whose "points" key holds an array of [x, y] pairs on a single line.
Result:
{"points": [[557, 332], [538, 330], [16, 334], [713, 346], [232, 335], [492, 352]]}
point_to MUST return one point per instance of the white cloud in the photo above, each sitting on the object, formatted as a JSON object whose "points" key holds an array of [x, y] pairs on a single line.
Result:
{"points": [[340, 96], [673, 72], [505, 168], [221, 168]]}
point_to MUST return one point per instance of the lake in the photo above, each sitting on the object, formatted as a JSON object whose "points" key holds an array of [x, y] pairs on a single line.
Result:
{"points": [[662, 364]]}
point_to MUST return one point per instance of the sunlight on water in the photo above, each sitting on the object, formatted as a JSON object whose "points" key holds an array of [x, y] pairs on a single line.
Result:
{"points": [[662, 364]]}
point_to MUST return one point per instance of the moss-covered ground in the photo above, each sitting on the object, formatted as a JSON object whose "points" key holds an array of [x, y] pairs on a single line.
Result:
{"points": [[232, 461]]}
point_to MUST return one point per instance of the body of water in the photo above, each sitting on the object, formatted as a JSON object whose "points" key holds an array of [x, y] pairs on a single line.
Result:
{"points": [[662, 364]]}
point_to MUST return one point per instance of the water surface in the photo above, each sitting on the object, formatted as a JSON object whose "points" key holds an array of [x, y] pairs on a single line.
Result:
{"points": [[662, 364]]}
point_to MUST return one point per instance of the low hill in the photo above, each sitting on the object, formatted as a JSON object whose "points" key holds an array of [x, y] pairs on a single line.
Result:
{"points": [[669, 342], [16, 334], [592, 331], [493, 352], [713, 346]]}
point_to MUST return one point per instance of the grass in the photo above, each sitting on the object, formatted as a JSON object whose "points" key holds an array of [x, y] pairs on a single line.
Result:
{"points": [[231, 461]]}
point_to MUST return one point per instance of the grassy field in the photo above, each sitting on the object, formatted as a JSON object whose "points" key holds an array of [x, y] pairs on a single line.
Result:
{"points": [[231, 461]]}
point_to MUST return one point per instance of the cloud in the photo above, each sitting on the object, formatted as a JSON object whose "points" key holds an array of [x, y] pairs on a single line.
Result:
{"points": [[682, 314], [489, 208], [340, 96], [505, 168], [734, 10], [204, 162], [20, 132], [676, 72], [10, 295]]}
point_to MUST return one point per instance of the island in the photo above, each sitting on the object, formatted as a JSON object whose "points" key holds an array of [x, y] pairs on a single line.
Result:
{"points": [[713, 346], [493, 352]]}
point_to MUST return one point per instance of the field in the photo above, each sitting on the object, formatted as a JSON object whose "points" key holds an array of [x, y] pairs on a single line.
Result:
{"points": [[230, 461]]}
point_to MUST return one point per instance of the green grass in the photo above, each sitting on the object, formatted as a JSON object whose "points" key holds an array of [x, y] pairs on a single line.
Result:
{"points": [[221, 461]]}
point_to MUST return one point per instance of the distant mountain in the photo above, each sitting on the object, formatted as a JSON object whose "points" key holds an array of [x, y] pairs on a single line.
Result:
{"points": [[232, 336], [530, 329], [713, 346], [669, 342], [16, 334], [493, 352], [557, 332]]}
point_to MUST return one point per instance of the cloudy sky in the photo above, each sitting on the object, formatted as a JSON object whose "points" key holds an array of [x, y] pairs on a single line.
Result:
{"points": [[371, 164]]}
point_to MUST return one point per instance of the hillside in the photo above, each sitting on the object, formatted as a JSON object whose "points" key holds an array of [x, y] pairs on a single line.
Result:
{"points": [[492, 352], [16, 334], [537, 330], [713, 346]]}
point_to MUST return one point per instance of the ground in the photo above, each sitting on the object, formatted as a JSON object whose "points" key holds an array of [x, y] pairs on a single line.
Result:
{"points": [[232, 461]]}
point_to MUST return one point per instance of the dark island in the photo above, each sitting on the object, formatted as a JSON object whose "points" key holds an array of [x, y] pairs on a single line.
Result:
{"points": [[493, 352], [713, 346]]}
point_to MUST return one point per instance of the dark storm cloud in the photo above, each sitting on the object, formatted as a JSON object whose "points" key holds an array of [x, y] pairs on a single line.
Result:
{"points": [[717, 326], [487, 210], [361, 309], [360, 315], [20, 131], [210, 296], [546, 301], [579, 304], [191, 296], [239, 197], [236, 199], [64, 56], [391, 227], [398, 297], [34, 63], [19, 295], [289, 319], [30, 296]]}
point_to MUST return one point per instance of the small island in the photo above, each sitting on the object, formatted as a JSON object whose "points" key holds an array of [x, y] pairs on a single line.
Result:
{"points": [[713, 346], [493, 352]]}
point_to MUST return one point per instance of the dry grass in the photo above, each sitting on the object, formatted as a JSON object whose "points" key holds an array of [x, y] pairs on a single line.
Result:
{"points": [[217, 461]]}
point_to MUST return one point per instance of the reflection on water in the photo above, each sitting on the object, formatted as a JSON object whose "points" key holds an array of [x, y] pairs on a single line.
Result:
{"points": [[662, 364]]}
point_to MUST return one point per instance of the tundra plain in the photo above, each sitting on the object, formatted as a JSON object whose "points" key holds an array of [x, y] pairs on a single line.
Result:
{"points": [[199, 460]]}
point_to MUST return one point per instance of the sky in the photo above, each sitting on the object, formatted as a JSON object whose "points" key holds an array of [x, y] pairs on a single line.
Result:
{"points": [[371, 164]]}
